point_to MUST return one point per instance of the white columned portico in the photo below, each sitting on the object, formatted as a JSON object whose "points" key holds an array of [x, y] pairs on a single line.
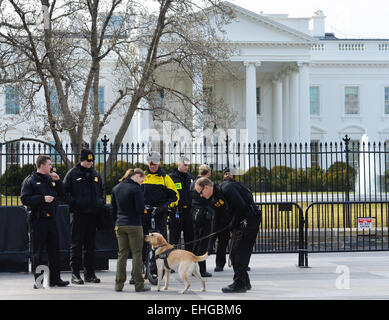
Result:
{"points": [[285, 105], [251, 104], [277, 110], [304, 105], [293, 107]]}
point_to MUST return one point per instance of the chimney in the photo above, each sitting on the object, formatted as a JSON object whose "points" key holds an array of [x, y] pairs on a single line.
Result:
{"points": [[318, 21]]}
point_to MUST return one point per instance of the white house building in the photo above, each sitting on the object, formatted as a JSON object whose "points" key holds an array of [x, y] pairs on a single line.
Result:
{"points": [[296, 83]]}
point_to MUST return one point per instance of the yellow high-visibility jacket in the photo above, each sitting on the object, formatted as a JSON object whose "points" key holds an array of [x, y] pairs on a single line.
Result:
{"points": [[159, 189]]}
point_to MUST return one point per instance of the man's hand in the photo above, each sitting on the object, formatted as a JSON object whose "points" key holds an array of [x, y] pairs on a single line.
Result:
{"points": [[54, 176], [49, 199]]}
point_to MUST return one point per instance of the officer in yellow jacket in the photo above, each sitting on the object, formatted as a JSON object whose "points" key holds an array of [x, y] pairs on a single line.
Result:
{"points": [[159, 191]]}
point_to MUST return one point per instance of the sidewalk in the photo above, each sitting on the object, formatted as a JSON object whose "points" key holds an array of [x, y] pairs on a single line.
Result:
{"points": [[273, 276]]}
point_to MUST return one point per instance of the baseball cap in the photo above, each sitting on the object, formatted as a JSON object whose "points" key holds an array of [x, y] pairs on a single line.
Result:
{"points": [[154, 157]]}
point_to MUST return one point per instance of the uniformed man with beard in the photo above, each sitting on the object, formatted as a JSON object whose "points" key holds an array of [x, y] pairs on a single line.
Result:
{"points": [[85, 196]]}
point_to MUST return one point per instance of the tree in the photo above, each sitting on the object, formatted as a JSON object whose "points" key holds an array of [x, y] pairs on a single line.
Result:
{"points": [[57, 50]]}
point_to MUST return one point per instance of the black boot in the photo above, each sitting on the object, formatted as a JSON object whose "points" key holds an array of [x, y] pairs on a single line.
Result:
{"points": [[59, 283], [76, 279]]}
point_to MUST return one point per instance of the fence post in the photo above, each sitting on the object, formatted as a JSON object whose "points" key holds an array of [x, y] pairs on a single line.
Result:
{"points": [[303, 250], [346, 140], [105, 142]]}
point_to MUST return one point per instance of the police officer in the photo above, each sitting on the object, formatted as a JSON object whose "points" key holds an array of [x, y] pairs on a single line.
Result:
{"points": [[84, 190], [159, 191], [41, 193], [244, 225], [220, 221], [181, 218], [202, 214]]}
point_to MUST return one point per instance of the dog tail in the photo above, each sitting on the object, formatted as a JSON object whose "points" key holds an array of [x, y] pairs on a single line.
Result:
{"points": [[201, 258]]}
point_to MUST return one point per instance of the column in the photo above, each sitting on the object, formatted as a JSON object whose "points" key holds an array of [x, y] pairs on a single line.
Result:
{"points": [[251, 103], [277, 111], [304, 103], [197, 95], [293, 106], [285, 106]]}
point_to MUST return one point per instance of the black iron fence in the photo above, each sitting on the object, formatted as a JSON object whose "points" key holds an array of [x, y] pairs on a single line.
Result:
{"points": [[326, 181]]}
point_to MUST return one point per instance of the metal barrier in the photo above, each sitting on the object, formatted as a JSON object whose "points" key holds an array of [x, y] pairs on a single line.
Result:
{"points": [[346, 226], [282, 230]]}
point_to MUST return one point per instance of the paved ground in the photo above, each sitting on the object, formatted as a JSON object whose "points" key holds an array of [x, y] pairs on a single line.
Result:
{"points": [[273, 276]]}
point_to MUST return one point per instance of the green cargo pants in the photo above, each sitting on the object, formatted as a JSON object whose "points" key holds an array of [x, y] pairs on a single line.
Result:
{"points": [[129, 237]]}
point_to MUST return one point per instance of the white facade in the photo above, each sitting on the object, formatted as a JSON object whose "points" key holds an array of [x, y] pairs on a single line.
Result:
{"points": [[305, 79]]}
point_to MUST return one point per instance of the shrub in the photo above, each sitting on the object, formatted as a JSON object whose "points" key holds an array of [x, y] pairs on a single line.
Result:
{"points": [[256, 179], [336, 176], [11, 180], [279, 178]]}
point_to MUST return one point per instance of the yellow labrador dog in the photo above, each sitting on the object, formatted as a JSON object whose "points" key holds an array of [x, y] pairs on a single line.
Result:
{"points": [[184, 261]]}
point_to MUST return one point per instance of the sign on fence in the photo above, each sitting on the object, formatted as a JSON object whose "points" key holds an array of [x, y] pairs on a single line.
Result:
{"points": [[365, 223]]}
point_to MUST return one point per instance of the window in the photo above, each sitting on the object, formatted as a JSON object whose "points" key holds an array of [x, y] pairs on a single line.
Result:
{"points": [[315, 153], [12, 101], [12, 151], [100, 101], [354, 146], [54, 155], [386, 101], [314, 101], [160, 99], [386, 156], [258, 100], [99, 152], [351, 100], [54, 101]]}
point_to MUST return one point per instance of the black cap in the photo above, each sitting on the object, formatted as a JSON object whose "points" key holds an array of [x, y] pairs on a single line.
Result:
{"points": [[226, 170], [87, 155]]}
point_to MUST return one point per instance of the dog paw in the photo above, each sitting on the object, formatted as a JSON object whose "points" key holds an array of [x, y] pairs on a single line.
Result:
{"points": [[165, 288]]}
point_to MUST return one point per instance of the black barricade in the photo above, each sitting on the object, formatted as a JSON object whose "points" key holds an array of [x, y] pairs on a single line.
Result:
{"points": [[15, 247], [14, 243]]}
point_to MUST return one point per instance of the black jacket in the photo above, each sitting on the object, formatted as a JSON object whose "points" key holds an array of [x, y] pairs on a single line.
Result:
{"points": [[197, 200], [127, 203], [34, 189], [183, 182], [237, 199], [84, 190]]}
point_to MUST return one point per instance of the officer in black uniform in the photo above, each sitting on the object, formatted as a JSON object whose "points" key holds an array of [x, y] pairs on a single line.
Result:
{"points": [[84, 191], [41, 192], [180, 219], [244, 225], [202, 214], [220, 221]]}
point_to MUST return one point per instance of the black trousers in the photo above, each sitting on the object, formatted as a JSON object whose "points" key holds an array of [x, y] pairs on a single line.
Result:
{"points": [[44, 234], [160, 226], [202, 225], [243, 240], [222, 243], [181, 223], [83, 242]]}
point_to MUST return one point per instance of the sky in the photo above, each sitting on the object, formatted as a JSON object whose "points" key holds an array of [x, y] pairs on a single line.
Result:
{"points": [[346, 18]]}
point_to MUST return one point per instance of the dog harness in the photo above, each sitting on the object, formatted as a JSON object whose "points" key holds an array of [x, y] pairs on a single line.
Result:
{"points": [[164, 256]]}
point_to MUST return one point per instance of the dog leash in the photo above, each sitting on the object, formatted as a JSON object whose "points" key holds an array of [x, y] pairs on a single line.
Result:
{"points": [[203, 238]]}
